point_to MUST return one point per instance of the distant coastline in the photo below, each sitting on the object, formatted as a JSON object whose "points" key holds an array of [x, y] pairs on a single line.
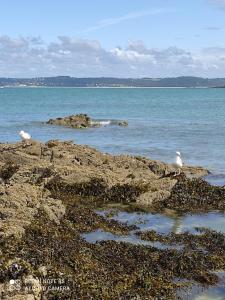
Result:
{"points": [[112, 87], [109, 82]]}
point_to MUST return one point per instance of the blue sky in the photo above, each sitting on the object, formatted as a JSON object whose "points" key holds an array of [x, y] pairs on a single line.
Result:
{"points": [[154, 38]]}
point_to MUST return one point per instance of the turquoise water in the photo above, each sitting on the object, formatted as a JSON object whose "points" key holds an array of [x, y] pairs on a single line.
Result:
{"points": [[161, 121]]}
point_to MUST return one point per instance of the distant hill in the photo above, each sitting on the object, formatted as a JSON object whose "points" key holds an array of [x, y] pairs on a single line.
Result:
{"points": [[67, 81]]}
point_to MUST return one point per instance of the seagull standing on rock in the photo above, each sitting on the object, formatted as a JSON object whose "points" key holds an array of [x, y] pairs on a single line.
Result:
{"points": [[178, 163], [24, 135]]}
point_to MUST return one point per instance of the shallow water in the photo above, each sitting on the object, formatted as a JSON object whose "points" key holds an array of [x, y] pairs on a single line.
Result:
{"points": [[164, 224], [216, 179], [160, 223], [211, 293], [161, 121], [99, 235]]}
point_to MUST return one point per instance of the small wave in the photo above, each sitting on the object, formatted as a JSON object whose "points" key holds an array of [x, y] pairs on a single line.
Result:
{"points": [[101, 123], [104, 122]]}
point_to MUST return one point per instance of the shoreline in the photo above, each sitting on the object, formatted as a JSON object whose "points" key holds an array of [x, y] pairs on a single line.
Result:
{"points": [[50, 194], [108, 87]]}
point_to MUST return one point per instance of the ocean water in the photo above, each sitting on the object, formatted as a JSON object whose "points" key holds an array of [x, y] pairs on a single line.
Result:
{"points": [[161, 121]]}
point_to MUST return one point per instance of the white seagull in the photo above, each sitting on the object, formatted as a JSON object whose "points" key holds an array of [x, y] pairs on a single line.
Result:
{"points": [[24, 135], [178, 163]]}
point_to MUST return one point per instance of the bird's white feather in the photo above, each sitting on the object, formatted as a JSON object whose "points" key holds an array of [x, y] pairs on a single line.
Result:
{"points": [[179, 162], [24, 135]]}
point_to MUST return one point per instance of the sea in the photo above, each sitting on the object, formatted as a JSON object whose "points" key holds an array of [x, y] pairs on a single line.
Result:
{"points": [[161, 121]]}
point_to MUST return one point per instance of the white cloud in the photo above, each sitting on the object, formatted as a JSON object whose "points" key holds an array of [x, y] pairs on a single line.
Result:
{"points": [[31, 57]]}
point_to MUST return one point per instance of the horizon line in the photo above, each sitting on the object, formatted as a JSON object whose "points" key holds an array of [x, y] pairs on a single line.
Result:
{"points": [[111, 77]]}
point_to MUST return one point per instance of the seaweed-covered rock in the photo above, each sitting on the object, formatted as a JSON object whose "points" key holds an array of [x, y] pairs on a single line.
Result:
{"points": [[48, 193], [75, 121], [65, 170], [82, 121], [193, 195], [8, 170]]}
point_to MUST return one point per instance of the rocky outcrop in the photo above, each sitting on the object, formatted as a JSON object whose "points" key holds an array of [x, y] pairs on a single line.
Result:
{"points": [[123, 123], [82, 121], [39, 176], [48, 196], [76, 121]]}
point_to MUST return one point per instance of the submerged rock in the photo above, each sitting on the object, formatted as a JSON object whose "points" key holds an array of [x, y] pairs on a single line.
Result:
{"points": [[123, 123]]}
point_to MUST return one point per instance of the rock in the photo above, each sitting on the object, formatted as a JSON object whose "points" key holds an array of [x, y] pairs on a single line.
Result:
{"points": [[21, 297], [8, 170], [123, 123], [35, 286], [159, 191], [163, 169], [54, 209], [75, 121], [193, 194], [43, 270], [63, 169], [35, 148], [193, 172], [52, 143], [82, 121], [49, 195]]}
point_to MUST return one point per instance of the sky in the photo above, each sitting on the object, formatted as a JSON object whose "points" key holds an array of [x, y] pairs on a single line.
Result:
{"points": [[119, 38]]}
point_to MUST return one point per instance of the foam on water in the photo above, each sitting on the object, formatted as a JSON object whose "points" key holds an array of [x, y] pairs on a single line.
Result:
{"points": [[101, 123]]}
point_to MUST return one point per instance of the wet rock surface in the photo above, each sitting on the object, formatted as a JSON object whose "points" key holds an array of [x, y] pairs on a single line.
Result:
{"points": [[193, 195], [48, 196], [202, 252], [75, 121], [82, 121]]}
